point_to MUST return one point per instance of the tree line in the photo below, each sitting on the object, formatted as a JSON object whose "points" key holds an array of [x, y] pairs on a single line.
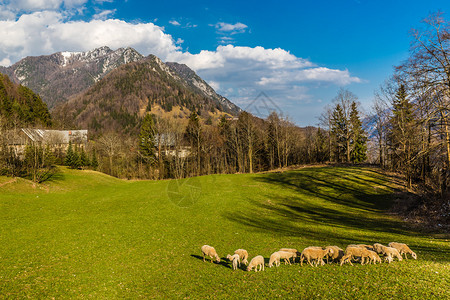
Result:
{"points": [[411, 110]]}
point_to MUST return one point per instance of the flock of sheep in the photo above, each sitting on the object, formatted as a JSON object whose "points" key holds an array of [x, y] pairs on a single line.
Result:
{"points": [[316, 255]]}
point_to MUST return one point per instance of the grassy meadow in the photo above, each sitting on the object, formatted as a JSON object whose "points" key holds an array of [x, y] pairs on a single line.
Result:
{"points": [[88, 235]]}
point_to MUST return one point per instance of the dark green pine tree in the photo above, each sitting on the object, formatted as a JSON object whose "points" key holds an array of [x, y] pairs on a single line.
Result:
{"points": [[401, 137], [339, 127], [76, 163], [84, 159], [147, 138], [94, 161], [358, 151], [193, 135], [69, 155]]}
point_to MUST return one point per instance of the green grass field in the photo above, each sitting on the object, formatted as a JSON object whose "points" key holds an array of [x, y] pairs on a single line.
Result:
{"points": [[88, 235]]}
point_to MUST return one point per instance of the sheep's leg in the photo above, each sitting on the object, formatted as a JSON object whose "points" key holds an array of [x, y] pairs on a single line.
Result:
{"points": [[203, 257], [263, 267], [309, 261]]}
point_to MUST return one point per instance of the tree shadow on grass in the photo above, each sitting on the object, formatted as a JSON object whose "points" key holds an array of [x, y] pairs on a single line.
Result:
{"points": [[336, 205]]}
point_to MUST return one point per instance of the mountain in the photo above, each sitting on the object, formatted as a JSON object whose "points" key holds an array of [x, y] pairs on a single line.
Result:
{"points": [[196, 83], [20, 106], [59, 76], [118, 101]]}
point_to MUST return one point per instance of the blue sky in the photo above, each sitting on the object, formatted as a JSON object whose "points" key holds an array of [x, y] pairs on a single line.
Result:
{"points": [[299, 53]]}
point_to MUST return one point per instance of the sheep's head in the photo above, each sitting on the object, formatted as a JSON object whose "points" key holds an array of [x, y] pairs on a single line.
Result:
{"points": [[228, 256], [330, 251], [217, 258], [377, 247], [249, 269]]}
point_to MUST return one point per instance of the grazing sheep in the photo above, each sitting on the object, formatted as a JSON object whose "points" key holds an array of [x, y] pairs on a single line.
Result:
{"points": [[336, 255], [352, 251], [243, 255], [378, 248], [255, 262], [235, 260], [403, 249], [392, 252], [374, 257], [287, 256], [211, 252], [389, 259], [274, 259], [315, 253], [387, 251], [368, 247], [291, 250]]}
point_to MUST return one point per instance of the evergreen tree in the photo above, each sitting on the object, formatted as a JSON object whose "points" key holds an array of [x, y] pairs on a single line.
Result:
{"points": [[339, 127], [401, 137], [193, 135], [69, 155], [358, 137], [94, 161], [76, 162], [84, 159], [147, 138]]}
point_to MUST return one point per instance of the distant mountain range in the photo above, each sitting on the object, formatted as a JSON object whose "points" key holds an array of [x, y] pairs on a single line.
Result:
{"points": [[119, 100], [93, 88], [59, 76]]}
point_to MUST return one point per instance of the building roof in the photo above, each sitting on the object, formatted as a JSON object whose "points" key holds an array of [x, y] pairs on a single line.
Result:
{"points": [[55, 136]]}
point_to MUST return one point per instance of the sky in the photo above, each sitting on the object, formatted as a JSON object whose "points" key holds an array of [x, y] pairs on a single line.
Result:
{"points": [[289, 56]]}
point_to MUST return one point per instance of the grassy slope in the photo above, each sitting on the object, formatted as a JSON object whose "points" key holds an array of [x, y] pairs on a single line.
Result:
{"points": [[89, 235]]}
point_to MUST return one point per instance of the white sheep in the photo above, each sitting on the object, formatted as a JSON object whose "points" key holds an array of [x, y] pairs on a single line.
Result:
{"points": [[403, 249], [286, 256], [354, 251], [243, 255], [368, 247], [392, 252], [255, 262], [235, 260], [292, 250], [211, 252], [389, 259], [336, 254], [374, 257], [274, 259], [378, 248], [387, 251], [315, 253]]}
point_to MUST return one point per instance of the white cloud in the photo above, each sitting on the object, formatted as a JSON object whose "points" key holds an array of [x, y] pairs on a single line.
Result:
{"points": [[103, 15], [174, 23], [47, 32], [40, 5], [5, 62], [231, 28], [215, 85]]}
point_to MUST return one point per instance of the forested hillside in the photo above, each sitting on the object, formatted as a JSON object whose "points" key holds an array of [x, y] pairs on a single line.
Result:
{"points": [[20, 106], [119, 101], [59, 76]]}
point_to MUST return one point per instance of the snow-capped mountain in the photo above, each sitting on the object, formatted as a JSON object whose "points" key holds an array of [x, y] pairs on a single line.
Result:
{"points": [[59, 76]]}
